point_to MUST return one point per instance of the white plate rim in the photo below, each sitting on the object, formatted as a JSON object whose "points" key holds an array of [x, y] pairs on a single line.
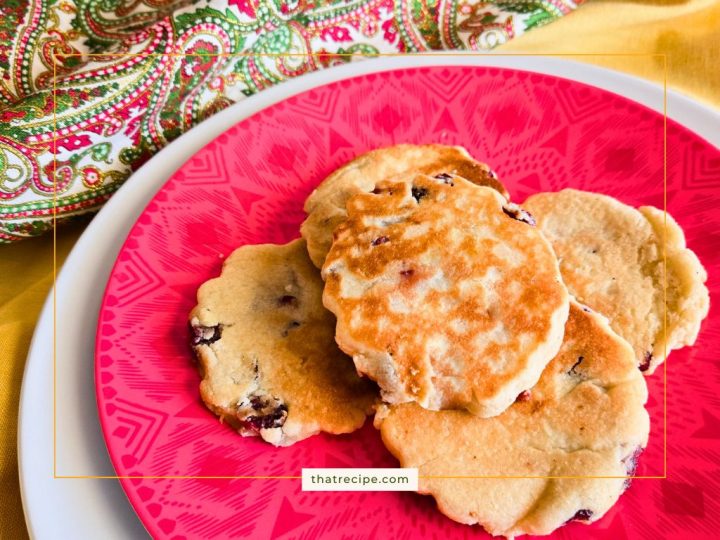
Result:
{"points": [[56, 508]]}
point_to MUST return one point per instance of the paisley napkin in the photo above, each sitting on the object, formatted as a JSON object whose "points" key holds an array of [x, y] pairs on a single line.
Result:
{"points": [[132, 75]]}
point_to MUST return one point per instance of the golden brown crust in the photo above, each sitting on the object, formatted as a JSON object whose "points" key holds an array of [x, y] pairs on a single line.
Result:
{"points": [[266, 349], [585, 417], [326, 204], [611, 258], [441, 296]]}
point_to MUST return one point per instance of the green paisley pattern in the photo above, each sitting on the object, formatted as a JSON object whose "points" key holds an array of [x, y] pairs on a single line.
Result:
{"points": [[90, 89]]}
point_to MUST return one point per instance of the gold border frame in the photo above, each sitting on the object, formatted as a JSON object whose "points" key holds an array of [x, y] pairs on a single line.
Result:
{"points": [[424, 54]]}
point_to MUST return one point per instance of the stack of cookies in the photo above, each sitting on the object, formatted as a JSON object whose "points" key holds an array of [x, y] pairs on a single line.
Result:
{"points": [[501, 348]]}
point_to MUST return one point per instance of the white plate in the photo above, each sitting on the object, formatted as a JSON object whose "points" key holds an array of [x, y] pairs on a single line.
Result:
{"points": [[81, 508]]}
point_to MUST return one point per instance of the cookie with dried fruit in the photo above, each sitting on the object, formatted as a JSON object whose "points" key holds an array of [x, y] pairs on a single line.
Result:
{"points": [[569, 446], [266, 350]]}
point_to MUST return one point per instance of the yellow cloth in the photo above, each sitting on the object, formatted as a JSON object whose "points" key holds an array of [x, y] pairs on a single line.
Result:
{"points": [[26, 271], [689, 32]]}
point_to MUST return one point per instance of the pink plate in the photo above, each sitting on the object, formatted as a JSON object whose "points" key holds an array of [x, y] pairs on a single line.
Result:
{"points": [[540, 133]]}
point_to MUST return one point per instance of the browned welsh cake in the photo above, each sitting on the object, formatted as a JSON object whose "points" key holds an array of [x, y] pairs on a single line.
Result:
{"points": [[585, 418], [326, 205], [445, 294], [266, 350]]}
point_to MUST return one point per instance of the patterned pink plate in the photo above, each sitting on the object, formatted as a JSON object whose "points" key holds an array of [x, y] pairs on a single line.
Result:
{"points": [[539, 133]]}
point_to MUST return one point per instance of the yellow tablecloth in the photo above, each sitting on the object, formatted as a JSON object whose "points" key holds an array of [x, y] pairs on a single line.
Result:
{"points": [[687, 31]]}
